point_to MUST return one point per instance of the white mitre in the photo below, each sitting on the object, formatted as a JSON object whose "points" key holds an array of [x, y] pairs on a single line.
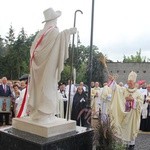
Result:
{"points": [[132, 76]]}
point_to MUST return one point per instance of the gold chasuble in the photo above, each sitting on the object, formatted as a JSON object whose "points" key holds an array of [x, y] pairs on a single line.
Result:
{"points": [[125, 121]]}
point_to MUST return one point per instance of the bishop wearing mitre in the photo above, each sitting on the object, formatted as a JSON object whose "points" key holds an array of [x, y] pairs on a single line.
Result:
{"points": [[125, 111]]}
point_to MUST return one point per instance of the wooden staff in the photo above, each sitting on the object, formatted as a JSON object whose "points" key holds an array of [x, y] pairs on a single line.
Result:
{"points": [[102, 59]]}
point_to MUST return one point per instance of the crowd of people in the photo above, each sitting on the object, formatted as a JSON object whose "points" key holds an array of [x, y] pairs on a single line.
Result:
{"points": [[13, 93], [128, 103]]}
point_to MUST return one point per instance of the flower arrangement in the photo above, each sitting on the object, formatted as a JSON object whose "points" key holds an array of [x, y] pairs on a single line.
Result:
{"points": [[130, 103], [104, 138]]}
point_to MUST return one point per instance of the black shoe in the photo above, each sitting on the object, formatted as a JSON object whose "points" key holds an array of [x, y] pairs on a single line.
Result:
{"points": [[1, 124], [8, 124], [131, 147]]}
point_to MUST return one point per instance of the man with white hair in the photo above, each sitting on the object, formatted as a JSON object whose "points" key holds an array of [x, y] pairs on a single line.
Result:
{"points": [[5, 92], [96, 102]]}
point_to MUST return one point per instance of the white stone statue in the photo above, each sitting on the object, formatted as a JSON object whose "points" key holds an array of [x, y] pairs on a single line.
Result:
{"points": [[48, 53]]}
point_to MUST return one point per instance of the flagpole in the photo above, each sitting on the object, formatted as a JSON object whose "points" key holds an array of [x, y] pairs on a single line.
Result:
{"points": [[91, 55]]}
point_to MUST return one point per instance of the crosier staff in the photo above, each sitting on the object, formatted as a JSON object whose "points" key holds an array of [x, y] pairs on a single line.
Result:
{"points": [[71, 69], [102, 59]]}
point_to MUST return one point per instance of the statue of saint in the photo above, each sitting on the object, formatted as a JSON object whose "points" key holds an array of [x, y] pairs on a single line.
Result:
{"points": [[48, 53]]}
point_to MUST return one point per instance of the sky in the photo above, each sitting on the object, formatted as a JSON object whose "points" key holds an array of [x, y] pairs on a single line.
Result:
{"points": [[121, 27]]}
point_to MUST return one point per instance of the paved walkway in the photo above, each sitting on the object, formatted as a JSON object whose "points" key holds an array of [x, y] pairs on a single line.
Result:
{"points": [[143, 141]]}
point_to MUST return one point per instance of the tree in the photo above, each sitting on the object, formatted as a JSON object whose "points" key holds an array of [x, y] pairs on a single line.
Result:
{"points": [[6, 63], [65, 75], [81, 64], [10, 39], [81, 73], [1, 46], [137, 58], [15, 62], [97, 67], [15, 58], [20, 54]]}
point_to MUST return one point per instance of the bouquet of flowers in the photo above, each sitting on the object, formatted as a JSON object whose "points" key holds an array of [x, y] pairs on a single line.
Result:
{"points": [[130, 103]]}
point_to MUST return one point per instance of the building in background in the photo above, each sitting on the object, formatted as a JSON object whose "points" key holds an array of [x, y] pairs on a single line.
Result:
{"points": [[123, 69]]}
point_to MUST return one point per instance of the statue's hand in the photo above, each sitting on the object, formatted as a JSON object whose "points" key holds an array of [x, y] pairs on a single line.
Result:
{"points": [[73, 30]]}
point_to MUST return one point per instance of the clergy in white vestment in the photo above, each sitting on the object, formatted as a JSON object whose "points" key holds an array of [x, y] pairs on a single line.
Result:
{"points": [[96, 102], [106, 96], [48, 53], [71, 86], [62, 101], [126, 111]]}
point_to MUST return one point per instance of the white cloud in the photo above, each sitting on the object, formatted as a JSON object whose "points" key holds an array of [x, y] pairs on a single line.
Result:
{"points": [[120, 26]]}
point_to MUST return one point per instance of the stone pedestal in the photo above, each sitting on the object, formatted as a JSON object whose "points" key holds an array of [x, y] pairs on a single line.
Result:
{"points": [[52, 128], [13, 139]]}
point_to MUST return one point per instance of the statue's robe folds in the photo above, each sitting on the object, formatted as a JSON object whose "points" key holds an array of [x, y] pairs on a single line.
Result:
{"points": [[45, 69], [125, 124]]}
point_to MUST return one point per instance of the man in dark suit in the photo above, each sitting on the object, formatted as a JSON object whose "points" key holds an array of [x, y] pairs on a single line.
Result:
{"points": [[5, 92]]}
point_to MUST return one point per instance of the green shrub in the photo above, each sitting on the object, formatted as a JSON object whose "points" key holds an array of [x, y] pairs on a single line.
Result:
{"points": [[104, 138]]}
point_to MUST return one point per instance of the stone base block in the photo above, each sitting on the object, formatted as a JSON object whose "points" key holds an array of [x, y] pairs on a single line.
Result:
{"points": [[13, 139], [55, 127]]}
